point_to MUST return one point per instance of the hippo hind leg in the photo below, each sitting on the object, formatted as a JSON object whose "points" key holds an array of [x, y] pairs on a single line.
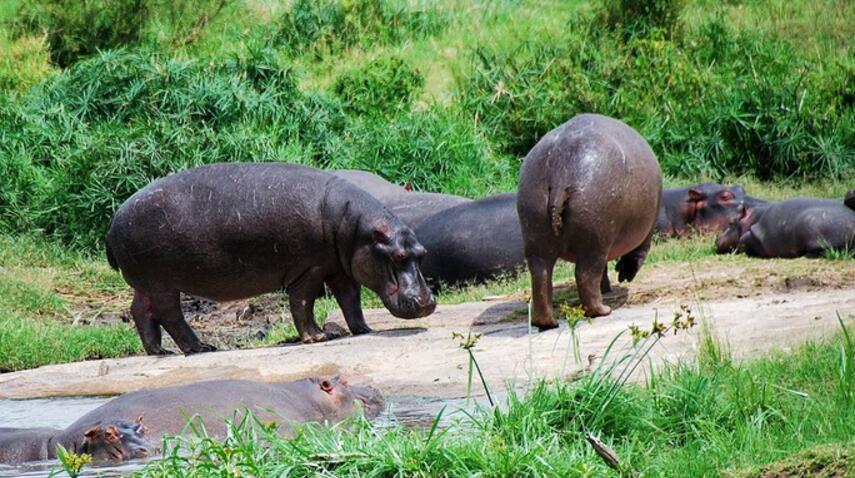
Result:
{"points": [[541, 291], [589, 278], [605, 284], [164, 309]]}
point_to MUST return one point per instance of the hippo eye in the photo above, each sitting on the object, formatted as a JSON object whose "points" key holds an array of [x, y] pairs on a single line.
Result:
{"points": [[399, 256], [726, 196]]}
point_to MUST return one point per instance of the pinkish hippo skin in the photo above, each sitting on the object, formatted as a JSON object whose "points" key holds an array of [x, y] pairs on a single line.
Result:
{"points": [[237, 230], [701, 207], [166, 410], [107, 441], [793, 228], [589, 193]]}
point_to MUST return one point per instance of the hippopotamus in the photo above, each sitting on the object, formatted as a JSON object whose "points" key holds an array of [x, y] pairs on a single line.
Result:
{"points": [[232, 231], [473, 241], [703, 207], [792, 228], [167, 410], [589, 192], [411, 207], [107, 441]]}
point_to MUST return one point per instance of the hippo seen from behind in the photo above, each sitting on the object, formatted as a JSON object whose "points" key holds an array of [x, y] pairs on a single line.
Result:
{"points": [[793, 228], [167, 410], [589, 193], [232, 231], [704, 207], [107, 441], [411, 207]]}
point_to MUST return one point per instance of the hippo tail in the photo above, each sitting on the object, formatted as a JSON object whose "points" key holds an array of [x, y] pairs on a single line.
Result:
{"points": [[555, 206]]}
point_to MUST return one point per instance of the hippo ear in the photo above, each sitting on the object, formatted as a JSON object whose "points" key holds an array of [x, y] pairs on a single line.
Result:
{"points": [[380, 233], [408, 186], [140, 428], [695, 195], [326, 386], [93, 433]]}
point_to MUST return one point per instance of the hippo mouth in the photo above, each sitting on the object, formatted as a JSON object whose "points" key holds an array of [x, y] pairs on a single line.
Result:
{"points": [[371, 400], [412, 301]]}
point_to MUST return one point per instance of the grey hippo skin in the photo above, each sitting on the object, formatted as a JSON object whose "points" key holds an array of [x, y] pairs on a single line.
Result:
{"points": [[701, 207], [107, 441], [167, 410], [792, 228], [411, 207], [474, 241], [589, 193], [231, 231]]}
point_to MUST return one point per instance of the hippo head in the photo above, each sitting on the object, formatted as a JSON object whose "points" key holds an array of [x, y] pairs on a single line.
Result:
{"points": [[387, 260], [728, 240], [337, 398], [117, 442], [712, 207]]}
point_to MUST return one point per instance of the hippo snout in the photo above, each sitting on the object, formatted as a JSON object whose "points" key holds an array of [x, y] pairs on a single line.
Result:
{"points": [[414, 305]]}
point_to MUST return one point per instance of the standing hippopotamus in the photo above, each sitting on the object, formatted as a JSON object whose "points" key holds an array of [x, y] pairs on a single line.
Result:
{"points": [[167, 410], [411, 207], [703, 207], [589, 193], [792, 228], [474, 241], [231, 231], [107, 441]]}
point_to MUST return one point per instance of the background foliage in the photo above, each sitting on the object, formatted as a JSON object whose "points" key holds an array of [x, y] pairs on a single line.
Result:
{"points": [[98, 98]]}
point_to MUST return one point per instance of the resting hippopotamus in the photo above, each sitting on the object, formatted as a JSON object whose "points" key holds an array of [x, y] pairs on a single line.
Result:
{"points": [[792, 228], [703, 207], [231, 231], [589, 193], [474, 241], [411, 207], [107, 441], [167, 410]]}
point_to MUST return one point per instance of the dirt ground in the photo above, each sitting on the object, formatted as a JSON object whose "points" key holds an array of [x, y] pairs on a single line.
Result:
{"points": [[754, 306]]}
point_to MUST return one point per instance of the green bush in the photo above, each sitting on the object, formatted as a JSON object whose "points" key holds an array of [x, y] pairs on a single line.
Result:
{"points": [[381, 86], [640, 17], [23, 62], [88, 138], [714, 102], [437, 149], [334, 25], [76, 29]]}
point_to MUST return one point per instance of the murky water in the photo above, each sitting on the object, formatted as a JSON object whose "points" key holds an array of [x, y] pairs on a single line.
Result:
{"points": [[407, 411]]}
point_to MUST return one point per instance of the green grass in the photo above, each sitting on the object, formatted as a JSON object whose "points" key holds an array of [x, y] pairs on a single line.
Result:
{"points": [[709, 417]]}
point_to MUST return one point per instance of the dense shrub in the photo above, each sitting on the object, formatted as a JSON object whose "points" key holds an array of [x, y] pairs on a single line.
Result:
{"points": [[380, 86], [76, 29], [712, 102], [334, 25], [640, 17], [86, 139], [23, 62], [437, 149]]}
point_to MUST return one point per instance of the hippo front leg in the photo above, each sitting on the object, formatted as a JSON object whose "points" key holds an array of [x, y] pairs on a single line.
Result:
{"points": [[347, 294], [541, 292], [630, 263], [301, 298]]}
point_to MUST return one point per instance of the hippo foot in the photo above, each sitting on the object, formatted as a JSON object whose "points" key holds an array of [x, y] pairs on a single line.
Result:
{"points": [[544, 325], [201, 348], [627, 268], [313, 337], [597, 311], [159, 351], [362, 329]]}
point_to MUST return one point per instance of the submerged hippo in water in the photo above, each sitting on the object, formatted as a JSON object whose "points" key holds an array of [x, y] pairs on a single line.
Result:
{"points": [[792, 228], [232, 231], [107, 441], [589, 193], [703, 207], [167, 410], [474, 241], [411, 207]]}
